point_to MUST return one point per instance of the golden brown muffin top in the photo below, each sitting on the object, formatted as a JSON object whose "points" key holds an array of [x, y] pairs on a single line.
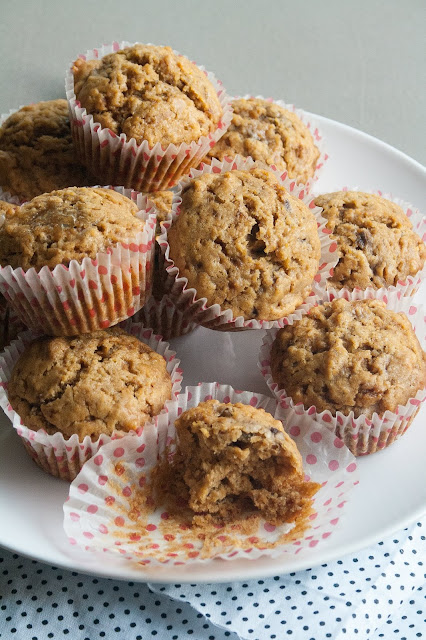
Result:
{"points": [[65, 225], [149, 93], [90, 385], [36, 151], [245, 243], [349, 356], [269, 134], [376, 241]]}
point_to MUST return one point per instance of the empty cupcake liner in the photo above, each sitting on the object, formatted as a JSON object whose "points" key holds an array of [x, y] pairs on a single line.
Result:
{"points": [[91, 294], [408, 287], [118, 160], [106, 508], [165, 318], [55, 454], [361, 435], [213, 316], [317, 136]]}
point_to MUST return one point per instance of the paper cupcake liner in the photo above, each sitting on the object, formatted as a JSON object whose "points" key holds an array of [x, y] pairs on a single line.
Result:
{"points": [[118, 160], [102, 511], [55, 454], [91, 294], [408, 287], [213, 316], [165, 318], [361, 435], [317, 136]]}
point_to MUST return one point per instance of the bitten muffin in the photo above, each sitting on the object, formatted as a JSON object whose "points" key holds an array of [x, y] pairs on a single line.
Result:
{"points": [[232, 459], [65, 225], [148, 93], [36, 151], [93, 384], [245, 243], [269, 134], [375, 239], [349, 356]]}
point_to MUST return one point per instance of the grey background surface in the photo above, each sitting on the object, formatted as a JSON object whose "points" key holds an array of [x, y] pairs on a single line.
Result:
{"points": [[360, 62]]}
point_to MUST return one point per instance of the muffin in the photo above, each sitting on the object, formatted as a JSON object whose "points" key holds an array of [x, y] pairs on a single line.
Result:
{"points": [[233, 459], [162, 201], [69, 224], [37, 153], [154, 98], [376, 242], [359, 362], [90, 385], [244, 243], [102, 241], [271, 135]]}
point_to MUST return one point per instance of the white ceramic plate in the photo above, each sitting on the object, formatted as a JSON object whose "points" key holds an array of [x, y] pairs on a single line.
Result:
{"points": [[392, 490]]}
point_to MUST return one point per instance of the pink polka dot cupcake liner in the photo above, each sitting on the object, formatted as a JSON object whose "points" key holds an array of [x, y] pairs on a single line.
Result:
{"points": [[64, 457], [165, 318], [361, 435], [101, 512], [317, 136], [408, 287], [213, 316], [118, 160], [91, 294]]}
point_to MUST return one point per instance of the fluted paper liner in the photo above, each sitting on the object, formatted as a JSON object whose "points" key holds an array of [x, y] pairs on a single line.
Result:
{"points": [[408, 287], [361, 435], [213, 316], [56, 454], [119, 160], [165, 318], [317, 136], [91, 294], [102, 512]]}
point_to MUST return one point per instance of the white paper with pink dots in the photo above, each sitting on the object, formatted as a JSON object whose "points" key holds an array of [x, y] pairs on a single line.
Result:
{"points": [[99, 514]]}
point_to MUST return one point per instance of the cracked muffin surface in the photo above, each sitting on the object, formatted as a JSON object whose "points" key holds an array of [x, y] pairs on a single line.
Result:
{"points": [[270, 134], [234, 458], [245, 243], [36, 151], [376, 242], [64, 225], [90, 385], [349, 356], [149, 93]]}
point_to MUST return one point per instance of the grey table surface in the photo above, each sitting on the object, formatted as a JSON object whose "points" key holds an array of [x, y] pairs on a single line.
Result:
{"points": [[361, 62]]}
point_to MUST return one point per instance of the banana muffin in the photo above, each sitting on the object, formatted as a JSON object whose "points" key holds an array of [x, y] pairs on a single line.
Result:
{"points": [[69, 224], [376, 242], [349, 356], [245, 243], [148, 93], [93, 384], [233, 459], [269, 134], [36, 151], [162, 200]]}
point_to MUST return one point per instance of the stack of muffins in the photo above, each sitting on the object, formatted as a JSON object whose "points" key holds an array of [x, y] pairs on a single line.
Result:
{"points": [[209, 220]]}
